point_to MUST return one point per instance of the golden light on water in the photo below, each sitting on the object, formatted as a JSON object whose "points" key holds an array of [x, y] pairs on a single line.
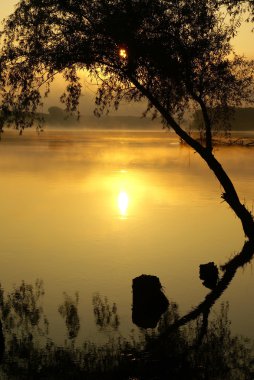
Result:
{"points": [[123, 53], [123, 203]]}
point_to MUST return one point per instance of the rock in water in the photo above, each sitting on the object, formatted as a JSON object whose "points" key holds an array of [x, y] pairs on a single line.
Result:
{"points": [[209, 274], [149, 301]]}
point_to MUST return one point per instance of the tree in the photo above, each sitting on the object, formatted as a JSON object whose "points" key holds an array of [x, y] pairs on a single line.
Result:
{"points": [[174, 54], [237, 7]]}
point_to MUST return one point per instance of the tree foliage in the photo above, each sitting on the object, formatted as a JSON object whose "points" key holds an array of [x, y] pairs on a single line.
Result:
{"points": [[241, 7]]}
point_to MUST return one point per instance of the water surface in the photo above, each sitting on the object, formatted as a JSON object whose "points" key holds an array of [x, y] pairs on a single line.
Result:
{"points": [[89, 211]]}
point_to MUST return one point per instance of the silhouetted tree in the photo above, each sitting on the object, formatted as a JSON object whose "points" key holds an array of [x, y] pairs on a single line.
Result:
{"points": [[241, 7], [174, 54]]}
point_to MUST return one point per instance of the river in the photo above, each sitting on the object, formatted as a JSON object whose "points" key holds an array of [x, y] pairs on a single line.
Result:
{"points": [[87, 211]]}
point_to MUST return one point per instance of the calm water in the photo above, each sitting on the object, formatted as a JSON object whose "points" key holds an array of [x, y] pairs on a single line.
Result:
{"points": [[89, 211]]}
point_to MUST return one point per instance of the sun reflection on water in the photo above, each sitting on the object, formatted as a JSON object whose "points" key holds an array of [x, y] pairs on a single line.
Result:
{"points": [[123, 203]]}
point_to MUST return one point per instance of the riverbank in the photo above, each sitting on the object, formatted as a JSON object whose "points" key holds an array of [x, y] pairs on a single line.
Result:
{"points": [[235, 138]]}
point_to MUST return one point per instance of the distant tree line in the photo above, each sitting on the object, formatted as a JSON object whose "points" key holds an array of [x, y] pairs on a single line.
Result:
{"points": [[59, 117], [240, 119]]}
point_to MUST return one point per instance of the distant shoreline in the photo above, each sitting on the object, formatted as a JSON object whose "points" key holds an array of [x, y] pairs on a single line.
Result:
{"points": [[236, 138]]}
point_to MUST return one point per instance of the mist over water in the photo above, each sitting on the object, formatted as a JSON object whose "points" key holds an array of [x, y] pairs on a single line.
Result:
{"points": [[88, 211]]}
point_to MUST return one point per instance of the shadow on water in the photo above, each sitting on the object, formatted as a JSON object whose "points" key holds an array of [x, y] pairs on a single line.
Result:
{"points": [[156, 353]]}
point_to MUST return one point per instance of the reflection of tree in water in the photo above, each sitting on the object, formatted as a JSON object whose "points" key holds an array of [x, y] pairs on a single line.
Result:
{"points": [[104, 313], [220, 285], [21, 312], [20, 307], [219, 356], [178, 354], [24, 325], [69, 311]]}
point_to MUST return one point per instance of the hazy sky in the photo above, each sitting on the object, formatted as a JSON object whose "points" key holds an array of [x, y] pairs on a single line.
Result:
{"points": [[243, 45]]}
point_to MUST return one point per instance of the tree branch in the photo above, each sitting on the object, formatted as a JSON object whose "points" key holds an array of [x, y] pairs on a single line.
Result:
{"points": [[230, 270], [230, 195]]}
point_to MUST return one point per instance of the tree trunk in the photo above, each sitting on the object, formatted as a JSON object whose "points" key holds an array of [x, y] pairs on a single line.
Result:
{"points": [[229, 195]]}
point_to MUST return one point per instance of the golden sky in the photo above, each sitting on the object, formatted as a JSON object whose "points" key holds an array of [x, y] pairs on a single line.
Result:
{"points": [[6, 7]]}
